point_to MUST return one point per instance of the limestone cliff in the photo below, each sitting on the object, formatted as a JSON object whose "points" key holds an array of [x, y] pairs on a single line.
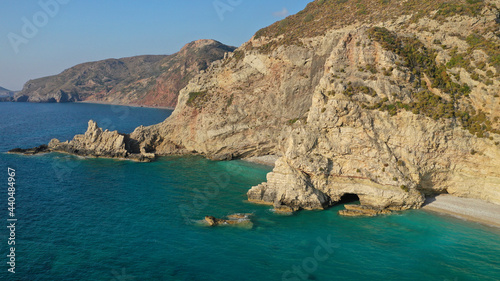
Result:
{"points": [[388, 100], [388, 110], [141, 80]]}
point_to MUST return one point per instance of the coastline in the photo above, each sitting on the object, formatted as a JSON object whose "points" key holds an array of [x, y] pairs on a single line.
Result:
{"points": [[465, 208], [105, 103], [131, 105], [267, 160]]}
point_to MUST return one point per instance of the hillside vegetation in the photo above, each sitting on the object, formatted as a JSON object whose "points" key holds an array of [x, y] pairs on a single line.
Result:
{"points": [[322, 15]]}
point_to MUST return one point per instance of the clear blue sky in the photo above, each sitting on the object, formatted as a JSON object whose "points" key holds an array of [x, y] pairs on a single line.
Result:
{"points": [[79, 31]]}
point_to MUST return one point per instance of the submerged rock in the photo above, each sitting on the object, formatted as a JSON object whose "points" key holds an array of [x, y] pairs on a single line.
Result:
{"points": [[31, 151], [240, 220], [239, 216], [362, 211]]}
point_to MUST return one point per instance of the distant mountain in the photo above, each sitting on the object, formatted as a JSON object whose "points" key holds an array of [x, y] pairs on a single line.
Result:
{"points": [[151, 80], [6, 93]]}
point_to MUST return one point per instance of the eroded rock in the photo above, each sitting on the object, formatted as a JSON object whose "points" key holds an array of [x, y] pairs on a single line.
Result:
{"points": [[240, 220], [362, 211]]}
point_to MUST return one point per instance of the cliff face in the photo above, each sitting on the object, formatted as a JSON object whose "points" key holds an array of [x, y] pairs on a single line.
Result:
{"points": [[389, 111], [141, 80], [241, 106], [390, 103], [378, 126]]}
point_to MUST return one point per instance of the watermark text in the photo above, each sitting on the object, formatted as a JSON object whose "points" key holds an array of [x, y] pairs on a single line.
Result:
{"points": [[11, 221]]}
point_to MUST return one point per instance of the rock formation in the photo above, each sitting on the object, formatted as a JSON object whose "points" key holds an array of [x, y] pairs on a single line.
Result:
{"points": [[233, 220], [388, 100], [94, 143], [362, 211], [141, 80]]}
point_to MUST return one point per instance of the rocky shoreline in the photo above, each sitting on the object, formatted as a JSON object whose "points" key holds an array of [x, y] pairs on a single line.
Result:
{"points": [[94, 143], [267, 160], [348, 111], [126, 104]]}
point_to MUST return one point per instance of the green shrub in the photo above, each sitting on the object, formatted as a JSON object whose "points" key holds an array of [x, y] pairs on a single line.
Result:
{"points": [[309, 18], [194, 97], [491, 48]]}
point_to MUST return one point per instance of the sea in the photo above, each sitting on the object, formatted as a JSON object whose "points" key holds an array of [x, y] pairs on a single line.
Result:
{"points": [[101, 219]]}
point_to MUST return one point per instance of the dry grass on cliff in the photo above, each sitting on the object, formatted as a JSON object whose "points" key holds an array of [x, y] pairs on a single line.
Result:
{"points": [[322, 15]]}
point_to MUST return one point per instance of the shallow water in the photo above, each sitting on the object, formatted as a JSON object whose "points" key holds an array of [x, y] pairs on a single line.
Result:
{"points": [[102, 219]]}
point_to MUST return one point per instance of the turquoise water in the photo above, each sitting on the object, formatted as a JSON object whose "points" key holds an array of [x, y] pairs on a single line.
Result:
{"points": [[102, 219]]}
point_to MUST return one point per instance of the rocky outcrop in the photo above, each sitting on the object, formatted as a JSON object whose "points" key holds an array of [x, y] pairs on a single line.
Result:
{"points": [[94, 143], [141, 80], [31, 151], [362, 211]]}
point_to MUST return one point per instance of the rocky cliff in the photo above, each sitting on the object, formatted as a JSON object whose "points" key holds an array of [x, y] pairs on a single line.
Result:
{"points": [[141, 80], [388, 100]]}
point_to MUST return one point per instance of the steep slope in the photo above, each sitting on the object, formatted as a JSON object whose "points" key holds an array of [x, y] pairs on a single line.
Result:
{"points": [[141, 80], [390, 105], [407, 107], [389, 100]]}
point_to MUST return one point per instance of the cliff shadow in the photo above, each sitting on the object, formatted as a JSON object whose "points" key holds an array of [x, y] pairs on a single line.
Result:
{"points": [[347, 198]]}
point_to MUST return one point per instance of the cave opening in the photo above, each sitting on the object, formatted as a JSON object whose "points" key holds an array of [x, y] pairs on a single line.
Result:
{"points": [[348, 198]]}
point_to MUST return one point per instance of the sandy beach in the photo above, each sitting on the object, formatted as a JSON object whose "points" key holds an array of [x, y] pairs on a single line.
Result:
{"points": [[268, 160], [465, 208]]}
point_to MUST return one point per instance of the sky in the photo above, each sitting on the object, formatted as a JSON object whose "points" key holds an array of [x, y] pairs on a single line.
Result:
{"points": [[44, 37]]}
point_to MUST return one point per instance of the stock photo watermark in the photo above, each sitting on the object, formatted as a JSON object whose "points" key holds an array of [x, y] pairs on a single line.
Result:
{"points": [[12, 219], [31, 26], [121, 275], [223, 6], [309, 265], [202, 197], [124, 112]]}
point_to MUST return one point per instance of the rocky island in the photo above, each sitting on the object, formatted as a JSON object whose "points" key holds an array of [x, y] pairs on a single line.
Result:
{"points": [[391, 102]]}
